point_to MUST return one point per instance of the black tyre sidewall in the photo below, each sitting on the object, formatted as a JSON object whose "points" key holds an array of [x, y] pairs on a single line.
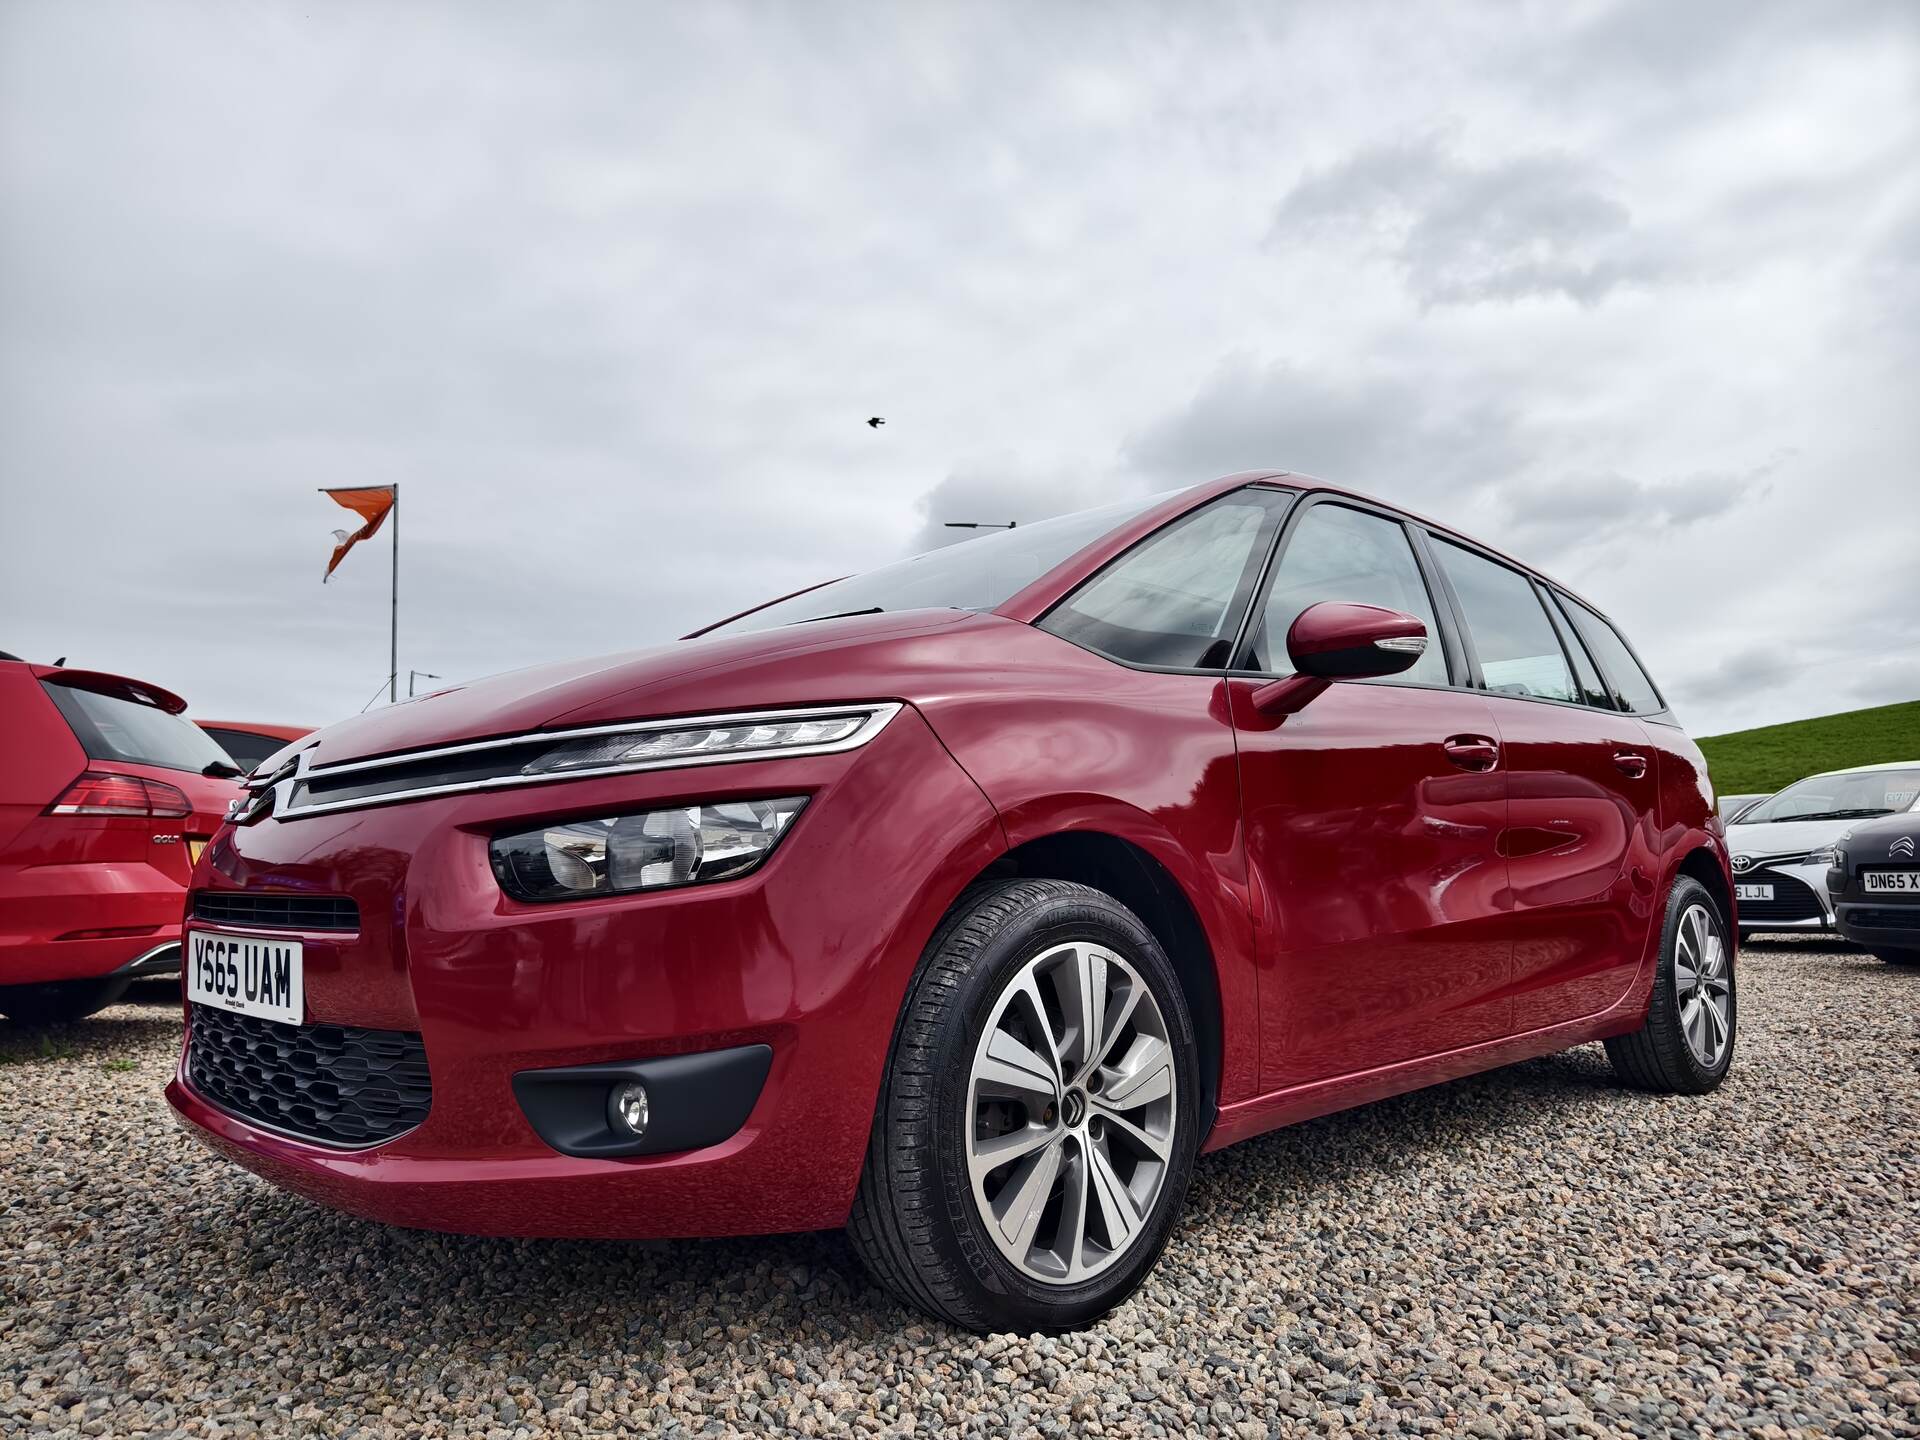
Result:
{"points": [[999, 1289]]}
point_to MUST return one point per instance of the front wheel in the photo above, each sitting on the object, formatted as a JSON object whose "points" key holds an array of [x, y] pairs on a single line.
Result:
{"points": [[1686, 1045], [1039, 1115], [56, 1001]]}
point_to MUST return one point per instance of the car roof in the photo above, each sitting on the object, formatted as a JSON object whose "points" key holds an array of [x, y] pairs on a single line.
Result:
{"points": [[1866, 769]]}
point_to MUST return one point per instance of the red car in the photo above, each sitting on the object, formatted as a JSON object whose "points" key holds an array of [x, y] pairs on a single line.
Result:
{"points": [[106, 798], [249, 742], [964, 902]]}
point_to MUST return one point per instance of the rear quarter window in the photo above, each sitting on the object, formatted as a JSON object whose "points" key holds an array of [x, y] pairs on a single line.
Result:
{"points": [[110, 728], [1633, 685]]}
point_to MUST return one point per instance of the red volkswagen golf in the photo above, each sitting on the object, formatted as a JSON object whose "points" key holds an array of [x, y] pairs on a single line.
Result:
{"points": [[964, 902]]}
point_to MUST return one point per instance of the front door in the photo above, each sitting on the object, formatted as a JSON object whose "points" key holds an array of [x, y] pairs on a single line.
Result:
{"points": [[1373, 820]]}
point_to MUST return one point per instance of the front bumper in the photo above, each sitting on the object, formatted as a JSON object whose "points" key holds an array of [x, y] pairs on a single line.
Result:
{"points": [[807, 957], [1801, 902]]}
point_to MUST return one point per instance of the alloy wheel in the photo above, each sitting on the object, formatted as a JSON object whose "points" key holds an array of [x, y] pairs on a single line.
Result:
{"points": [[1703, 984], [1071, 1113]]}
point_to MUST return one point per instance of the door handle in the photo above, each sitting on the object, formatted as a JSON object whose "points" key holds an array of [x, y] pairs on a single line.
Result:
{"points": [[1472, 752], [1629, 764]]}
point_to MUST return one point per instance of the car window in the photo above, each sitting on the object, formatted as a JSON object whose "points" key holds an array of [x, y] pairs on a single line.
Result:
{"points": [[246, 748], [1519, 652], [110, 728], [1338, 553], [1856, 796], [1176, 598], [1634, 686], [1592, 688]]}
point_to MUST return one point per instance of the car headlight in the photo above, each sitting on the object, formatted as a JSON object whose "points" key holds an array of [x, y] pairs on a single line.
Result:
{"points": [[652, 850], [653, 746]]}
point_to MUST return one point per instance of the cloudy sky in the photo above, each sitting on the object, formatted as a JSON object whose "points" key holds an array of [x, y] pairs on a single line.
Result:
{"points": [[1631, 289]]}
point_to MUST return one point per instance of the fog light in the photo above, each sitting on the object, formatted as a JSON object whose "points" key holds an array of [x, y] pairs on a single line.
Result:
{"points": [[629, 1107]]}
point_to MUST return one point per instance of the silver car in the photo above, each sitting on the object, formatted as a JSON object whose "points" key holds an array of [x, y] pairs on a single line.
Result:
{"points": [[1782, 846]]}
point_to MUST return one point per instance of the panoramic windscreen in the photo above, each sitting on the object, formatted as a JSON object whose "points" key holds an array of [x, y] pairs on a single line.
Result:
{"points": [[973, 575], [1859, 795]]}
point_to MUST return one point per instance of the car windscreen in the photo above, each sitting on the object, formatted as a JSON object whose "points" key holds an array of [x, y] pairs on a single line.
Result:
{"points": [[1855, 796], [976, 574], [111, 728]]}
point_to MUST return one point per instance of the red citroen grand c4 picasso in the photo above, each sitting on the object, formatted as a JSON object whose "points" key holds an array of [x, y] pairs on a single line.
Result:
{"points": [[963, 902]]}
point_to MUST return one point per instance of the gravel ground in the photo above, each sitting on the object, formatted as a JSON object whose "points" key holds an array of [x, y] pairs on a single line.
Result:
{"points": [[1530, 1252]]}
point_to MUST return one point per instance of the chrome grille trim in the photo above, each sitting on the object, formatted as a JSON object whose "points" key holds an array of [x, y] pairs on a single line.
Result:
{"points": [[275, 794]]}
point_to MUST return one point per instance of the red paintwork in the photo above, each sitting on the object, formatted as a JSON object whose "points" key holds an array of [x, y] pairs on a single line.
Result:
{"points": [[1380, 909], [69, 875]]}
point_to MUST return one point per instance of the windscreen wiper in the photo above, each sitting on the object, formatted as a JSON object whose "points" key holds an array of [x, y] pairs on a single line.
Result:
{"points": [[839, 615]]}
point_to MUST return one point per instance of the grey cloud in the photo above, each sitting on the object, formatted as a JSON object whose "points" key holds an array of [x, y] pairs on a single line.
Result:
{"points": [[1400, 435], [1461, 232], [1590, 511]]}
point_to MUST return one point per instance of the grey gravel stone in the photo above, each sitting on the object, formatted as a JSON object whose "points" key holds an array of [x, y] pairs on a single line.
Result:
{"points": [[1535, 1252]]}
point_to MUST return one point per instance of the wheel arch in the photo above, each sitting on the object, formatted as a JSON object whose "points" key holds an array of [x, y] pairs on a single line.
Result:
{"points": [[1700, 863], [1131, 874]]}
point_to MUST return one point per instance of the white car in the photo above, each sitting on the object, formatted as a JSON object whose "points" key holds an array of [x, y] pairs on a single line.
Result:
{"points": [[1781, 847]]}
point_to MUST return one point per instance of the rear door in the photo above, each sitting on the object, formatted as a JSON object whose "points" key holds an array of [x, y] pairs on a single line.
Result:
{"points": [[1373, 818], [1583, 790]]}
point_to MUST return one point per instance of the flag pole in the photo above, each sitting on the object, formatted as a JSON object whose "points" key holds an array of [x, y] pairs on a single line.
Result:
{"points": [[393, 612]]}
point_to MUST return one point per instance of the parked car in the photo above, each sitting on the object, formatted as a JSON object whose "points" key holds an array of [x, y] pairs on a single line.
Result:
{"points": [[965, 901], [106, 797], [1782, 847], [249, 742], [1875, 884], [1731, 806]]}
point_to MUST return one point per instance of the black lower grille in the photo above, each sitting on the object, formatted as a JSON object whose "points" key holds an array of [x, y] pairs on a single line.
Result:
{"points": [[1903, 919], [278, 912], [1792, 900], [337, 1084]]}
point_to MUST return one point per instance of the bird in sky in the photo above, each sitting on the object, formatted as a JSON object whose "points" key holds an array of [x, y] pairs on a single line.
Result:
{"points": [[877, 421]]}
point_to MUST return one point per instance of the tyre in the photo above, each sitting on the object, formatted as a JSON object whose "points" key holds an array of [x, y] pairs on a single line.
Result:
{"points": [[1039, 1116], [56, 1001], [1686, 1045], [1899, 957]]}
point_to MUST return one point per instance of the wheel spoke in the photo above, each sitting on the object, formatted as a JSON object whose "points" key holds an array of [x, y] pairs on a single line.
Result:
{"points": [[1717, 1022], [1071, 1242], [1148, 1077], [1089, 1007], [1028, 991], [1011, 1068], [1686, 979], [1116, 1204], [989, 1155], [1022, 1202], [1158, 1146]]}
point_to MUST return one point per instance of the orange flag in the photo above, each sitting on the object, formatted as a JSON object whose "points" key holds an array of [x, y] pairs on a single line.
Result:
{"points": [[371, 505]]}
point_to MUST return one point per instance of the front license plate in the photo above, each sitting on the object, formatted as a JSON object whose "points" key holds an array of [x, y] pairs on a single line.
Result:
{"points": [[246, 975], [1894, 881], [1753, 892]]}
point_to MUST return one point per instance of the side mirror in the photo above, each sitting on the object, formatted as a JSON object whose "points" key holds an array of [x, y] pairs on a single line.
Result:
{"points": [[1338, 641]]}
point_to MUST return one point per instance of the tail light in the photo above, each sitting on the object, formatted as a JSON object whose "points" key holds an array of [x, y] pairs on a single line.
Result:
{"points": [[99, 792]]}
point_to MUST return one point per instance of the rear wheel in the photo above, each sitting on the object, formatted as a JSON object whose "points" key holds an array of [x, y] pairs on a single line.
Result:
{"points": [[1899, 957], [55, 1001], [1039, 1116], [1686, 1046]]}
